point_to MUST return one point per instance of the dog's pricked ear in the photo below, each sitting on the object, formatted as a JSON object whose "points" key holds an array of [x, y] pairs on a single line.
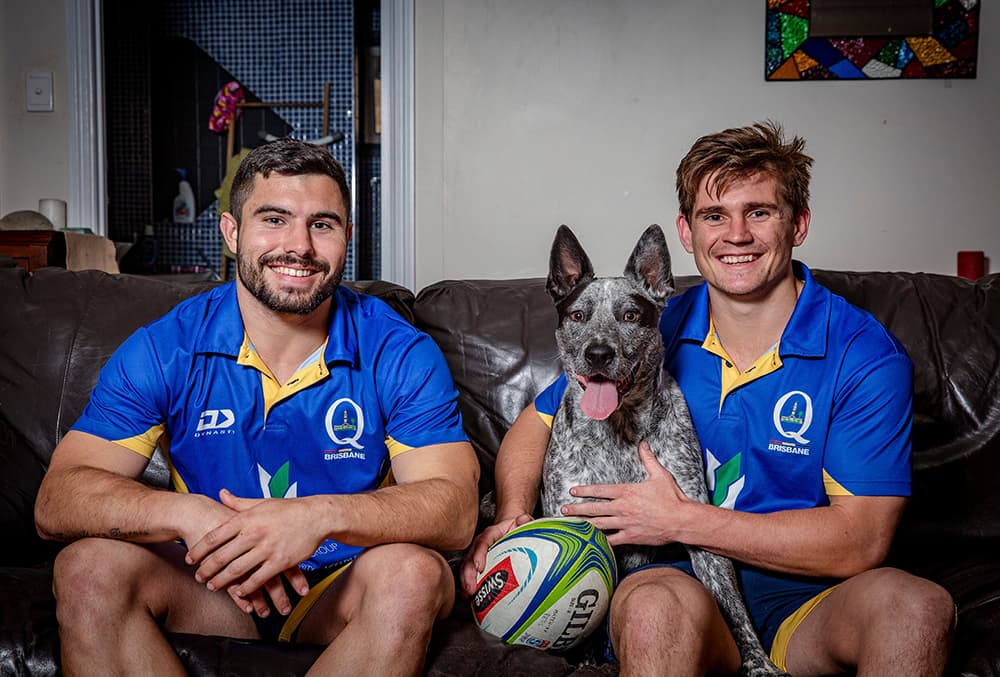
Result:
{"points": [[568, 265], [649, 264]]}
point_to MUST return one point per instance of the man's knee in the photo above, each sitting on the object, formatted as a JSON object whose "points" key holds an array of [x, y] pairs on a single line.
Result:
{"points": [[927, 605], [663, 616], [85, 579], [880, 610], [412, 580], [647, 602]]}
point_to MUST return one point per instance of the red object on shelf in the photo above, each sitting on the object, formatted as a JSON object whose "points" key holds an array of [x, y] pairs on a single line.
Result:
{"points": [[971, 264]]}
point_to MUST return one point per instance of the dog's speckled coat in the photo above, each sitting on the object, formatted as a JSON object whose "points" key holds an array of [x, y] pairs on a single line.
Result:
{"points": [[609, 331]]}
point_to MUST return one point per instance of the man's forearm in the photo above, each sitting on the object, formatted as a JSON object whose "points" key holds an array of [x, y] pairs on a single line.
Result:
{"points": [[517, 483], [435, 512], [827, 541], [81, 502], [519, 465]]}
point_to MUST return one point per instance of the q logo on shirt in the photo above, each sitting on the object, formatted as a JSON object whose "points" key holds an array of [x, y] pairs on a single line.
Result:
{"points": [[345, 422], [793, 413]]}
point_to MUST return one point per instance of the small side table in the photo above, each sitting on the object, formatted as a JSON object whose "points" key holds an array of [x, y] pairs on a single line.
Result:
{"points": [[33, 249]]}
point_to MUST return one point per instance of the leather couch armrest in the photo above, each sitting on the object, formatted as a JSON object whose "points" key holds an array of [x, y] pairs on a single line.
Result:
{"points": [[20, 474]]}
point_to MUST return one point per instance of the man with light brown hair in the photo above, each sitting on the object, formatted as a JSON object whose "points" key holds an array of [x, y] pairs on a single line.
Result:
{"points": [[803, 406]]}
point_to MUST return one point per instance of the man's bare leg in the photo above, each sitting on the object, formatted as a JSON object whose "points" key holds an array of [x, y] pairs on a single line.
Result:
{"points": [[884, 622], [112, 598], [664, 622], [378, 615]]}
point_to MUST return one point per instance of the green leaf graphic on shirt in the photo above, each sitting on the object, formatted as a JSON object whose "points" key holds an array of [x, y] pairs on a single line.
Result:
{"points": [[725, 476], [278, 485]]}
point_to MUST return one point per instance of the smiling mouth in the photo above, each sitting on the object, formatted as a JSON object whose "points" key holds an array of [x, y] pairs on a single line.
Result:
{"points": [[293, 272], [743, 258]]}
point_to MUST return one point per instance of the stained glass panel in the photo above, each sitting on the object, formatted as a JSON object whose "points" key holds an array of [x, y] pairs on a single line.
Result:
{"points": [[948, 51]]}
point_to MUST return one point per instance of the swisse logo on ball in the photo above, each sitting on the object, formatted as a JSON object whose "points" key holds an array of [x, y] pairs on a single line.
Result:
{"points": [[490, 590], [493, 587]]}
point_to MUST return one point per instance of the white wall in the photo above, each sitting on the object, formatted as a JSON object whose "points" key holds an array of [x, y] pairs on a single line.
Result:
{"points": [[532, 113], [34, 147]]}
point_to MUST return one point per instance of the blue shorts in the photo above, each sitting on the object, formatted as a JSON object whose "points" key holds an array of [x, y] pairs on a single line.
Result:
{"points": [[771, 597], [275, 627]]}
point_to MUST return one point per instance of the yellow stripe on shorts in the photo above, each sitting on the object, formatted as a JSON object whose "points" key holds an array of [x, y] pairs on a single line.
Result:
{"points": [[779, 649], [294, 619]]}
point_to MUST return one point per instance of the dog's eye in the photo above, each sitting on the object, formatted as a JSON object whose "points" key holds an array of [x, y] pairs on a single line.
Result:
{"points": [[630, 316], [577, 316]]}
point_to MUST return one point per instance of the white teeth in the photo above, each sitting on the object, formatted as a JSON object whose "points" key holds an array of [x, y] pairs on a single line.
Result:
{"points": [[294, 272], [746, 258]]}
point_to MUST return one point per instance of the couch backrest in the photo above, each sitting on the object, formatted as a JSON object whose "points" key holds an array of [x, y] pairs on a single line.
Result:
{"points": [[57, 329], [498, 337], [951, 330]]}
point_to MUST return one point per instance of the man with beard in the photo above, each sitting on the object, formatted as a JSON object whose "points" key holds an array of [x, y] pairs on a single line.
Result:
{"points": [[280, 385]]}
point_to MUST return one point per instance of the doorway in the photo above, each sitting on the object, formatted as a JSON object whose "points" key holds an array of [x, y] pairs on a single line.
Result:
{"points": [[166, 62], [87, 161]]}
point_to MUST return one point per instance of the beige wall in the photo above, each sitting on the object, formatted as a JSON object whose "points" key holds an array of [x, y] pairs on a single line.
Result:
{"points": [[34, 147], [532, 113]]}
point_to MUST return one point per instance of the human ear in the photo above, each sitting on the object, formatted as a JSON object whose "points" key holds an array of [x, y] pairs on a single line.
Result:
{"points": [[230, 230], [684, 233], [801, 226]]}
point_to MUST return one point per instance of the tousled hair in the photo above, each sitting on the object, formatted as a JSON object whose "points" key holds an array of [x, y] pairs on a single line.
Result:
{"points": [[741, 153], [288, 157]]}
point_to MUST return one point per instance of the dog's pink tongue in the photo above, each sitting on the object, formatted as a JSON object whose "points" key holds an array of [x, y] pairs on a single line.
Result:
{"points": [[600, 399]]}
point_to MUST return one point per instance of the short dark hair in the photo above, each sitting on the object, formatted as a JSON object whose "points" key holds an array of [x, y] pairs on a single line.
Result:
{"points": [[290, 157], [740, 153]]}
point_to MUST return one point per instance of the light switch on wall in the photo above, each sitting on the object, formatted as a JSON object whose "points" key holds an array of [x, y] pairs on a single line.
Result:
{"points": [[38, 94]]}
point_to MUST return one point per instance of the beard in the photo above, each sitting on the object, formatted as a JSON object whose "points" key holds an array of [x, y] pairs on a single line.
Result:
{"points": [[298, 302]]}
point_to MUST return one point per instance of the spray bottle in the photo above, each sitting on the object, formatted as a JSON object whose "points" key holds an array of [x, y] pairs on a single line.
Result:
{"points": [[184, 209]]}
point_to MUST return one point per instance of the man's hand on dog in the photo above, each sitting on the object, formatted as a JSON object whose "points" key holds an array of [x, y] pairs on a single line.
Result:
{"points": [[475, 559], [632, 513]]}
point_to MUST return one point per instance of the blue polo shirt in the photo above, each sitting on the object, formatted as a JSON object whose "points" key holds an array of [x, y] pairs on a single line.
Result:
{"points": [[827, 412], [192, 383]]}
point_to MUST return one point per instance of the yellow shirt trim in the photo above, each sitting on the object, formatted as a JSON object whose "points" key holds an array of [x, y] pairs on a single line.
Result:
{"points": [[396, 447], [732, 377], [145, 443], [833, 487], [546, 418], [779, 649], [180, 486], [312, 371]]}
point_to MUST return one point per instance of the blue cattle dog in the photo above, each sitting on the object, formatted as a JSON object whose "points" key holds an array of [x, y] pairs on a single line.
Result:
{"points": [[619, 393]]}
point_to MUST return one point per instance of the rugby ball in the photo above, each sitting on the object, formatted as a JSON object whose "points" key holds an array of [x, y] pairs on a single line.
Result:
{"points": [[546, 584]]}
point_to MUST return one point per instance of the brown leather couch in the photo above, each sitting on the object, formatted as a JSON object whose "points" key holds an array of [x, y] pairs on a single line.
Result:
{"points": [[57, 328]]}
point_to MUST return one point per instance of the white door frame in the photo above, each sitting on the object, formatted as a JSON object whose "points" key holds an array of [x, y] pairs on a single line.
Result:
{"points": [[87, 163], [398, 226], [85, 84]]}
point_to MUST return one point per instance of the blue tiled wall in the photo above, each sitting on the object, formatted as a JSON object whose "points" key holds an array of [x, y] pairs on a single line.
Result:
{"points": [[281, 51]]}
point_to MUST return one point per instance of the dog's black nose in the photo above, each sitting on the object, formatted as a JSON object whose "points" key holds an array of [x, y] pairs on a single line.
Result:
{"points": [[598, 355]]}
